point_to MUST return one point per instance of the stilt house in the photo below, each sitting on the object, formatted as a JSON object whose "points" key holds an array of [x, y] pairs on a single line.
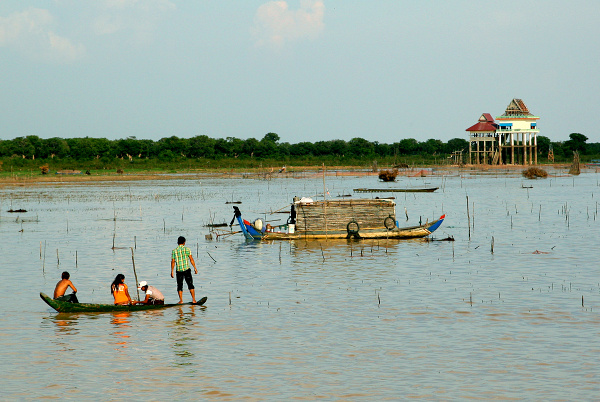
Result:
{"points": [[512, 140]]}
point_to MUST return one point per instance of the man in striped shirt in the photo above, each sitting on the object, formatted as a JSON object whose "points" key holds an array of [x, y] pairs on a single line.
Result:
{"points": [[180, 257]]}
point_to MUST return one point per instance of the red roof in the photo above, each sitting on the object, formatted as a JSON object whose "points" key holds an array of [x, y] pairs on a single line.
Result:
{"points": [[486, 123], [483, 127], [488, 117]]}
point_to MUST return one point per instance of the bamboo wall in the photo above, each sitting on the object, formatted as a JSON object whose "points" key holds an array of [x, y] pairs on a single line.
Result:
{"points": [[335, 215]]}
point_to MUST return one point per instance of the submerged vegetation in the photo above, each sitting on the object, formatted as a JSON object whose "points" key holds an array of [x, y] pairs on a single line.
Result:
{"points": [[535, 173], [388, 175]]}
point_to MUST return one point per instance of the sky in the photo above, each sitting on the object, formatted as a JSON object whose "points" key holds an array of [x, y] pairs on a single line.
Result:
{"points": [[308, 70]]}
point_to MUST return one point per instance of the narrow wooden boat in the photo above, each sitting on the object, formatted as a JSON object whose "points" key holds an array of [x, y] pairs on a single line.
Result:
{"points": [[396, 190], [66, 307], [337, 219]]}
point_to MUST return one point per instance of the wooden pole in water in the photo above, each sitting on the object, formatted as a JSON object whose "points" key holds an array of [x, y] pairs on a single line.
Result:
{"points": [[135, 274], [468, 218], [324, 202]]}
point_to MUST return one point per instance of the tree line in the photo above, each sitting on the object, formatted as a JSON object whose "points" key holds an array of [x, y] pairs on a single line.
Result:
{"points": [[269, 147]]}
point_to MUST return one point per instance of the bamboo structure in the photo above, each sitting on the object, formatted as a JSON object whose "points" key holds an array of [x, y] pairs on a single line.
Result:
{"points": [[575, 167], [367, 213]]}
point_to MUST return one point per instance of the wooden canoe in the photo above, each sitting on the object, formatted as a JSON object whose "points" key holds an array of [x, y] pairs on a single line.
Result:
{"points": [[396, 190], [66, 307]]}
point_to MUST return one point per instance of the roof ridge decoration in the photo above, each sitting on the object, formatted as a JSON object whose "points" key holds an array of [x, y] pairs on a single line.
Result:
{"points": [[517, 107]]}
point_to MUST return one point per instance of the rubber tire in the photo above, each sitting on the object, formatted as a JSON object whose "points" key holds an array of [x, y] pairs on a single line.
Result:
{"points": [[352, 232], [389, 226]]}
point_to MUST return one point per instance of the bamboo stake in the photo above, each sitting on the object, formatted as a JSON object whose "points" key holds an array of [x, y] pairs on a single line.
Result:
{"points": [[469, 218], [211, 256], [135, 273], [324, 203]]}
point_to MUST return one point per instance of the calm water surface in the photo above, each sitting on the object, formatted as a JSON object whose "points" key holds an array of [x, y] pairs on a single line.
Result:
{"points": [[307, 320]]}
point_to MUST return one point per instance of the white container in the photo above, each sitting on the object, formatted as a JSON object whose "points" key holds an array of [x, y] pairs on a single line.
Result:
{"points": [[291, 228]]}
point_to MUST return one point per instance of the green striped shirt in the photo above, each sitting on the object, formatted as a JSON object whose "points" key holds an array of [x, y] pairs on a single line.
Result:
{"points": [[180, 255]]}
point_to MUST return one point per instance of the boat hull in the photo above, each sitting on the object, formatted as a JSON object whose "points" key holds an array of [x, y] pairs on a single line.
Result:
{"points": [[66, 307], [396, 233], [341, 219]]}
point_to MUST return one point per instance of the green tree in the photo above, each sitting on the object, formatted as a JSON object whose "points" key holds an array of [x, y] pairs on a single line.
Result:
{"points": [[543, 145], [432, 147], [178, 146], [408, 146], [456, 144], [251, 147], [576, 142], [89, 148], [302, 149], [267, 148], [202, 146], [359, 147], [271, 137], [338, 147], [55, 147]]}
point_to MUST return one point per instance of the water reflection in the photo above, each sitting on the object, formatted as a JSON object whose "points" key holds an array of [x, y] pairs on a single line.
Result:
{"points": [[184, 336], [122, 324], [65, 325]]}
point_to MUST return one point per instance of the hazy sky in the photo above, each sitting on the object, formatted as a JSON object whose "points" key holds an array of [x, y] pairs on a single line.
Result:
{"points": [[306, 70]]}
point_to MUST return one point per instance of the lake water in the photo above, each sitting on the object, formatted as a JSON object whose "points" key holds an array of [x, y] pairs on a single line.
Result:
{"points": [[307, 320]]}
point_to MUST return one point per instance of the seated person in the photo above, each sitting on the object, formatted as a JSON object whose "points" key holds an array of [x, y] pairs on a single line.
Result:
{"points": [[153, 295], [119, 291], [61, 288]]}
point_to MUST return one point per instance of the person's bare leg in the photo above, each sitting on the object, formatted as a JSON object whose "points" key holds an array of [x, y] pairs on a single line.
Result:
{"points": [[180, 293], [193, 293]]}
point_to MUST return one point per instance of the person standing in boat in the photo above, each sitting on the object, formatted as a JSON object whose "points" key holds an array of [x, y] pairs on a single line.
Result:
{"points": [[61, 288], [120, 291], [180, 257], [153, 295]]}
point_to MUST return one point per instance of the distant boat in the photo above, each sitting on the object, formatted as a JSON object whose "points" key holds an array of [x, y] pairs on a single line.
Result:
{"points": [[68, 171], [593, 163], [337, 219], [396, 190], [216, 225]]}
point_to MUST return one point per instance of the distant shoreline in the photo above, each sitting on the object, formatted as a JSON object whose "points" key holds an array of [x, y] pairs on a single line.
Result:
{"points": [[31, 179]]}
